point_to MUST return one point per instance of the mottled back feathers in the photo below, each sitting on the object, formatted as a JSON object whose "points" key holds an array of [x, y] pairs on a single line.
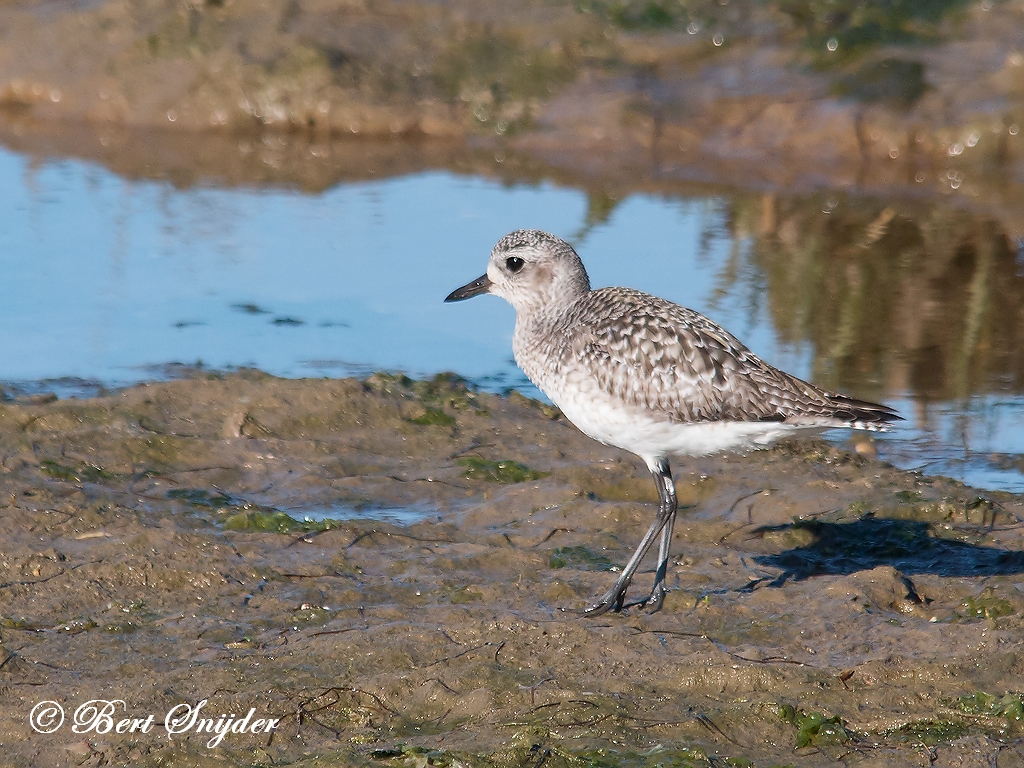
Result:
{"points": [[658, 356]]}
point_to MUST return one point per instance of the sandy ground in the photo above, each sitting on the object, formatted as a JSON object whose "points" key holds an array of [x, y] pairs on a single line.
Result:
{"points": [[826, 608]]}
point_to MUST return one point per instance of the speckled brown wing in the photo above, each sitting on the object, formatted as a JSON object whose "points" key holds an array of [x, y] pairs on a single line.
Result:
{"points": [[662, 357]]}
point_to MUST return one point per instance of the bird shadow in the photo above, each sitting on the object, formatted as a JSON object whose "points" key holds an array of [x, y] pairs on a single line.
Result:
{"points": [[910, 546]]}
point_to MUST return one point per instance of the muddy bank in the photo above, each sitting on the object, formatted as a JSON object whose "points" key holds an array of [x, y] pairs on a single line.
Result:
{"points": [[825, 606], [740, 91]]}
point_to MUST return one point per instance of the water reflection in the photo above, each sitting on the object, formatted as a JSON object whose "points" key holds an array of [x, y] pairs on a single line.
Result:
{"points": [[891, 296], [400, 515], [918, 301], [915, 302]]}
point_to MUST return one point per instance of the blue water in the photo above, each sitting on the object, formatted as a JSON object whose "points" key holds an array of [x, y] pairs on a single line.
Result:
{"points": [[109, 280], [105, 277], [399, 515]]}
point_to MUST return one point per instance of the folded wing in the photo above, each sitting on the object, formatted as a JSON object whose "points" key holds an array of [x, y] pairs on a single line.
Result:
{"points": [[658, 355]]}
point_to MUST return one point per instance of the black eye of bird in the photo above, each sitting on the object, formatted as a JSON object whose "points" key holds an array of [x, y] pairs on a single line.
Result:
{"points": [[514, 263]]}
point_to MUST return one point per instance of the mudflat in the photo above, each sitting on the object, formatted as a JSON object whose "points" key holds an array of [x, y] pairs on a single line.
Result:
{"points": [[393, 570]]}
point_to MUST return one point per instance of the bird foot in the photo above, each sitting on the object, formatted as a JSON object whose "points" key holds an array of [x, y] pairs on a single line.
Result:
{"points": [[654, 600], [611, 601], [657, 597], [614, 600]]}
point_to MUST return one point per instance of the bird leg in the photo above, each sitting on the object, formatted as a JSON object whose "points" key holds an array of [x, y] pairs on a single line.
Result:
{"points": [[614, 597], [667, 492]]}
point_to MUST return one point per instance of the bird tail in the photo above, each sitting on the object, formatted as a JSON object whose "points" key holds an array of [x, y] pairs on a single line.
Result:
{"points": [[861, 414]]}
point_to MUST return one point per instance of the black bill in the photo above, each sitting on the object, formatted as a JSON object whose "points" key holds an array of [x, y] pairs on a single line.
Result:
{"points": [[481, 285]]}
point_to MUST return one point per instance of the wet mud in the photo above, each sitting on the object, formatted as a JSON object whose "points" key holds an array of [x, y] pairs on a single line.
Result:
{"points": [[394, 569]]}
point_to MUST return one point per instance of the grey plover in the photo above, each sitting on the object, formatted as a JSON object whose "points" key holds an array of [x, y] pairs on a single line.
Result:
{"points": [[649, 376]]}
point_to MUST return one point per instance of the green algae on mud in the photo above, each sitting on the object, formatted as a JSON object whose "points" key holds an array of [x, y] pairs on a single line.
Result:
{"points": [[580, 557], [433, 417], [505, 472], [929, 733], [235, 514], [1010, 706], [274, 520], [456, 639], [814, 729], [987, 606], [86, 472]]}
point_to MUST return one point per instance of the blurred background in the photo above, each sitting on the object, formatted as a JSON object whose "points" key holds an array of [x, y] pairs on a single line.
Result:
{"points": [[295, 185]]}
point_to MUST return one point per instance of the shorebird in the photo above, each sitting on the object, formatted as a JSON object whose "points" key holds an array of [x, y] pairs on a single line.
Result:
{"points": [[648, 376]]}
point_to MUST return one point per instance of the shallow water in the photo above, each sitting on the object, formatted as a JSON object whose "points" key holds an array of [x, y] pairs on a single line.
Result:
{"points": [[108, 280], [400, 515]]}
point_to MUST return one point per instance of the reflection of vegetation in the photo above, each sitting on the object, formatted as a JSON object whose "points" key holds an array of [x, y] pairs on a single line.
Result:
{"points": [[499, 76], [890, 81], [600, 207], [738, 18], [286, 69], [835, 31], [840, 27], [890, 297], [637, 14], [852, 25]]}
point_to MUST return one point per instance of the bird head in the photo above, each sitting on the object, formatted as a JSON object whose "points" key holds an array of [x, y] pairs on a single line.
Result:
{"points": [[532, 271]]}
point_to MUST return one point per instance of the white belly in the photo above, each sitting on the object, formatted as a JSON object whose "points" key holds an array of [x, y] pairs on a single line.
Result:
{"points": [[643, 433]]}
